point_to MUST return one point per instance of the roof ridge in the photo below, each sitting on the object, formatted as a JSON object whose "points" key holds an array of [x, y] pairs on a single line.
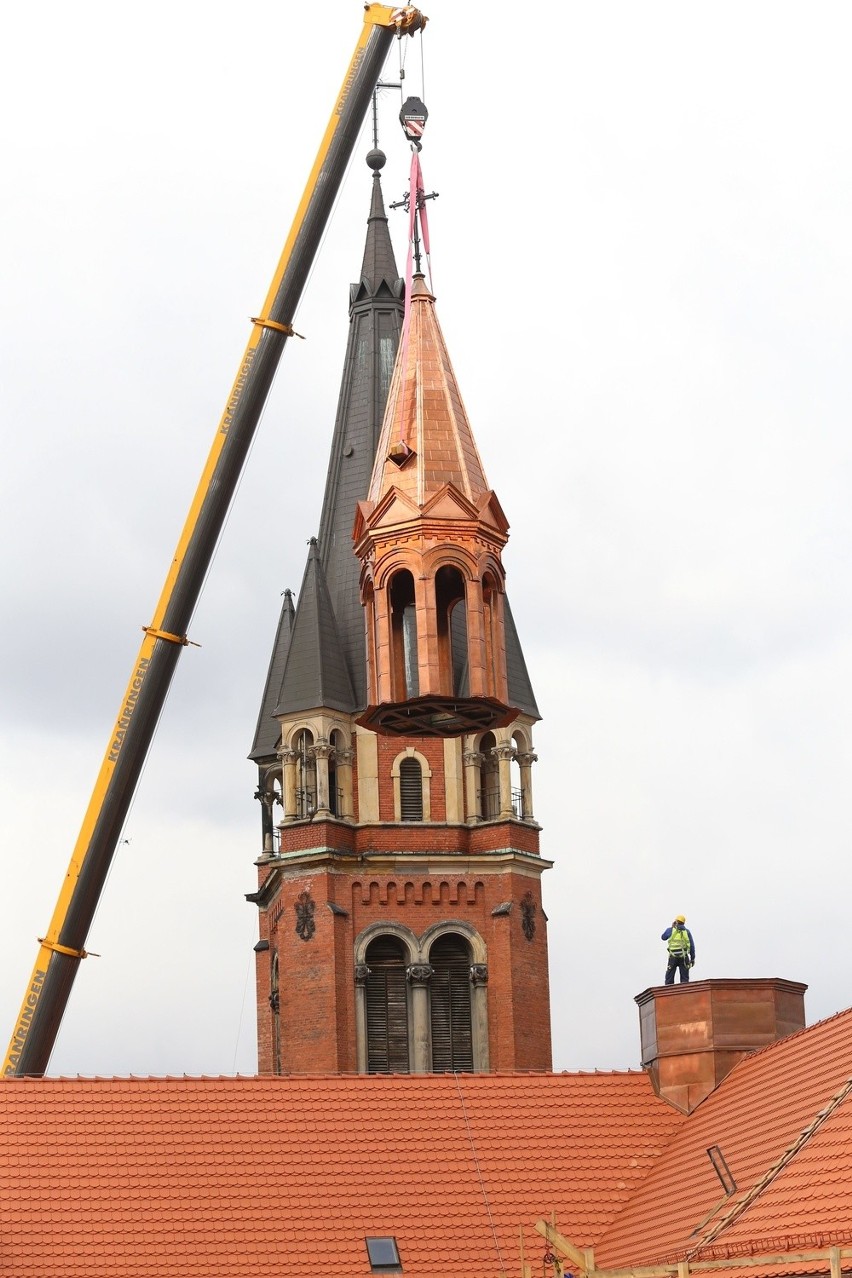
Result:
{"points": [[323, 1075]]}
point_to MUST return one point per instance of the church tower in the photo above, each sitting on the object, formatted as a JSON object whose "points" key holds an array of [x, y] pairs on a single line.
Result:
{"points": [[399, 882]]}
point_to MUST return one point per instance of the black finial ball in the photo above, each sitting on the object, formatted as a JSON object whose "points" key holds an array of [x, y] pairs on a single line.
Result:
{"points": [[376, 159]]}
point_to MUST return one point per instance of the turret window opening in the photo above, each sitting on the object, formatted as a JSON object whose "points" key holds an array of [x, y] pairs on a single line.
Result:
{"points": [[406, 674], [489, 779], [335, 792], [306, 774], [451, 614], [519, 798], [450, 1005], [387, 1007], [277, 797], [523, 757]]}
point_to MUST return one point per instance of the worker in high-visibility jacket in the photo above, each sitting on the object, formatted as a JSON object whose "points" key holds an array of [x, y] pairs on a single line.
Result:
{"points": [[681, 949]]}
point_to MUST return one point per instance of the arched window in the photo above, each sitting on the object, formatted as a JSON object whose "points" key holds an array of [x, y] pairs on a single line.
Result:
{"points": [[452, 1032], [489, 779], [306, 774], [410, 790], [387, 1007], [406, 676], [451, 619]]}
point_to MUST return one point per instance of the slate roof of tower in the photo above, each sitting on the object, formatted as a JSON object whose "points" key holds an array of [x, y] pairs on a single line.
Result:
{"points": [[266, 733], [375, 320], [313, 670]]}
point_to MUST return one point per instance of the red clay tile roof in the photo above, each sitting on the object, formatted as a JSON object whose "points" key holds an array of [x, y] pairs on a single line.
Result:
{"points": [[113, 1178], [783, 1121]]}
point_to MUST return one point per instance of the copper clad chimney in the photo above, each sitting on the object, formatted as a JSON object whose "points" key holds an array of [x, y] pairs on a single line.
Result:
{"points": [[693, 1034]]}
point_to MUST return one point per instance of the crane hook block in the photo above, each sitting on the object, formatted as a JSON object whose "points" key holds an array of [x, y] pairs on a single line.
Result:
{"points": [[413, 117]]}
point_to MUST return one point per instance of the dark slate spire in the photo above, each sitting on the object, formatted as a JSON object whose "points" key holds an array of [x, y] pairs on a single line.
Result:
{"points": [[266, 733], [314, 672], [379, 264], [375, 321]]}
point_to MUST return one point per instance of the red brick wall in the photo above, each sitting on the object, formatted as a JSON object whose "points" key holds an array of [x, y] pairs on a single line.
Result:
{"points": [[413, 837], [317, 990]]}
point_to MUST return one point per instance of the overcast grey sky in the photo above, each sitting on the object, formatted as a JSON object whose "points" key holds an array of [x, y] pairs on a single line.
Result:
{"points": [[641, 255]]}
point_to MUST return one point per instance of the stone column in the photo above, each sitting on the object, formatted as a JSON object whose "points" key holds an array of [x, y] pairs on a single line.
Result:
{"points": [[526, 760], [265, 794], [504, 753], [419, 975], [477, 648], [345, 760], [479, 1016], [362, 973], [473, 762], [288, 760], [322, 752]]}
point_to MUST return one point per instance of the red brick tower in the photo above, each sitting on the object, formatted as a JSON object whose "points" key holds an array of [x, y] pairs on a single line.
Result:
{"points": [[399, 890]]}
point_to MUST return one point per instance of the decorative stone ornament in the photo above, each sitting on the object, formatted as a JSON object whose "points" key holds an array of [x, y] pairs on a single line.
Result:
{"points": [[479, 974], [528, 913], [419, 973], [305, 907]]}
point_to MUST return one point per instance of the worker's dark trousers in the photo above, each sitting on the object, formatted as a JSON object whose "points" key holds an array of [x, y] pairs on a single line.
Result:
{"points": [[676, 964]]}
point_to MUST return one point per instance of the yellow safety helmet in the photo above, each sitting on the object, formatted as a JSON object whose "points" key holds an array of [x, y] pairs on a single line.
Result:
{"points": [[680, 918]]}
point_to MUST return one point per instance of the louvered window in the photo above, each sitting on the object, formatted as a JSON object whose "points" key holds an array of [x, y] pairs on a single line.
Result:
{"points": [[387, 1008], [410, 790], [452, 1034]]}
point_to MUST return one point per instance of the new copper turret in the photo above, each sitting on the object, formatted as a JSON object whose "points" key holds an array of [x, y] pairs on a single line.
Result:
{"points": [[429, 538]]}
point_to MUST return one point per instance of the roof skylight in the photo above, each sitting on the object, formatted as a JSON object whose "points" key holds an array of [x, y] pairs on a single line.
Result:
{"points": [[384, 1255]]}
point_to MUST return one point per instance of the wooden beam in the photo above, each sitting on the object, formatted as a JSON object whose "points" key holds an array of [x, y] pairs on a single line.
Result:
{"points": [[553, 1236]]}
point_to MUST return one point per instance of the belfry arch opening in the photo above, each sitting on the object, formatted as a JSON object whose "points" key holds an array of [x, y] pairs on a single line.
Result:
{"points": [[489, 779], [306, 773], [403, 614], [451, 619]]}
